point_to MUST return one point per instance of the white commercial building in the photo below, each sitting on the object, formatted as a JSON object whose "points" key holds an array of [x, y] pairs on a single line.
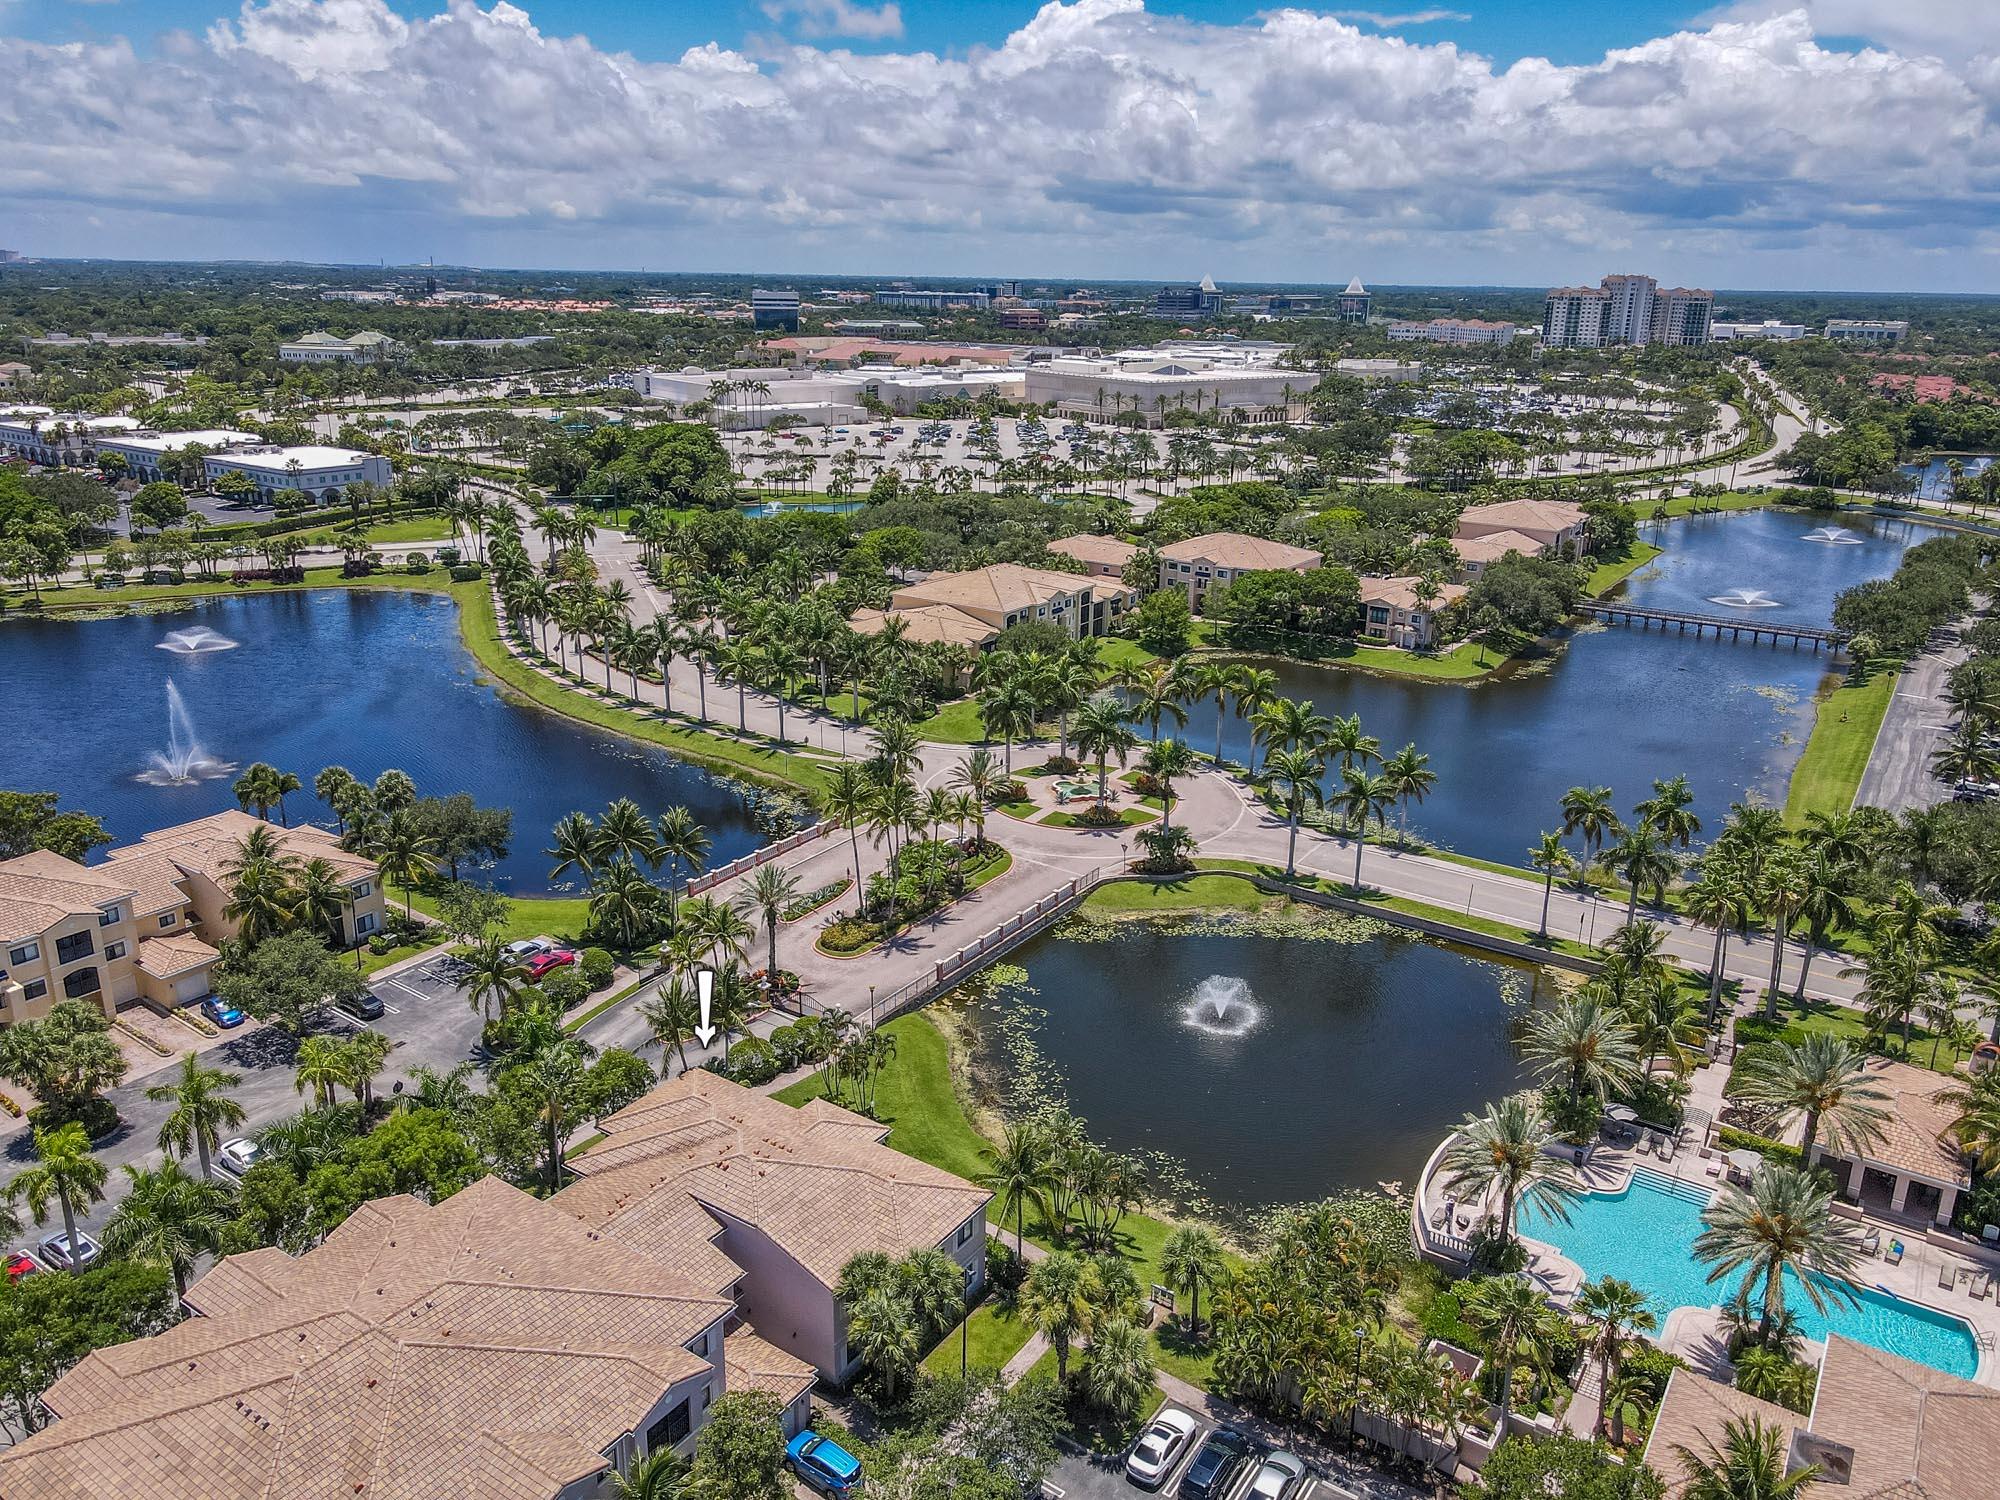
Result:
{"points": [[1237, 382], [1454, 331], [758, 396], [1770, 328], [143, 450], [326, 349], [318, 473], [1868, 330], [57, 438]]}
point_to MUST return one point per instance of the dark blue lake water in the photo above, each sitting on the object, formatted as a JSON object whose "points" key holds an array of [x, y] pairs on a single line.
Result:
{"points": [[367, 680]]}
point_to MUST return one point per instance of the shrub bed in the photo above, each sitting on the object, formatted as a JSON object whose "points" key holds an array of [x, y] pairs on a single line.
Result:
{"points": [[812, 901]]}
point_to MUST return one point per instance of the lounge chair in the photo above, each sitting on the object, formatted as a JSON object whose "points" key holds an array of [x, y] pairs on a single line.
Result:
{"points": [[1982, 1286], [1871, 1242], [1443, 1214], [1669, 1147], [1895, 1255], [1946, 1276], [1714, 1167]]}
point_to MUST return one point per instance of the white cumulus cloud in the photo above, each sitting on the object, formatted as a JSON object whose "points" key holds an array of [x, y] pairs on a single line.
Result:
{"points": [[1099, 135], [818, 18]]}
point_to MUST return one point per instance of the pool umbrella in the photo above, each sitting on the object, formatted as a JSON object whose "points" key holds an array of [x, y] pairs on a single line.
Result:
{"points": [[1746, 1161]]}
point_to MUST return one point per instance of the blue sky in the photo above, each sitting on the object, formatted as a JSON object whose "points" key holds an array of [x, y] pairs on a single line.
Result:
{"points": [[1746, 143], [1565, 31]]}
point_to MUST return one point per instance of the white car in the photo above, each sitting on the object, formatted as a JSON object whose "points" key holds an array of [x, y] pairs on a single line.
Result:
{"points": [[526, 949], [1159, 1448], [237, 1156], [1280, 1478], [55, 1252]]}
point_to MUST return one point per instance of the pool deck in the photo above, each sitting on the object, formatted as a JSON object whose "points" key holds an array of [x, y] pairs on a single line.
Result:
{"points": [[1695, 1333]]}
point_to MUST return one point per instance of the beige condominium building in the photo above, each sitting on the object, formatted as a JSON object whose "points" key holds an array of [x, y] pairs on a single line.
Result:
{"points": [[142, 927], [971, 609], [1551, 525], [1202, 563], [499, 1345], [1101, 556], [1392, 614]]}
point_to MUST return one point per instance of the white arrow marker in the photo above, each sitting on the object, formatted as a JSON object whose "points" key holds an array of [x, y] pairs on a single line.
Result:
{"points": [[704, 986]]}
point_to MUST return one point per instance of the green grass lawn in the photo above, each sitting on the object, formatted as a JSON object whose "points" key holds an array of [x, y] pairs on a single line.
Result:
{"points": [[1187, 893], [993, 1336], [1116, 651], [954, 724], [561, 917], [1843, 735], [1796, 1019], [1611, 572], [1682, 505], [57, 600], [412, 529]]}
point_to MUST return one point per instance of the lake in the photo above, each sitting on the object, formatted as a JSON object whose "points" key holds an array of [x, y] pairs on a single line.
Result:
{"points": [[1934, 478], [367, 679], [1615, 706], [1272, 1063]]}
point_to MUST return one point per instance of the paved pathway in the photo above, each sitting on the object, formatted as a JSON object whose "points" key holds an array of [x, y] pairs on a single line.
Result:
{"points": [[1917, 723]]}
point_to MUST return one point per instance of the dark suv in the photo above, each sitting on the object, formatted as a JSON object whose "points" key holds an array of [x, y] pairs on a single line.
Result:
{"points": [[1215, 1464]]}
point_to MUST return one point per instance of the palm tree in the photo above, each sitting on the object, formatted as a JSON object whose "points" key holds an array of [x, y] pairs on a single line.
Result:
{"points": [[1585, 1043], [1191, 1261], [882, 1333], [492, 974], [1055, 1301], [1166, 761], [683, 844], [553, 1080], [1588, 813], [202, 1110], [1101, 731], [624, 832], [169, 1219], [65, 1171], [1119, 1371], [847, 797], [1611, 1309], [1822, 1077], [1552, 859], [1007, 713], [1783, 1223], [1362, 796], [1410, 778], [1506, 1149], [577, 846], [260, 902], [622, 900], [403, 852], [672, 1018], [657, 1475], [1642, 858], [1288, 724], [323, 1066], [1517, 1324], [1824, 883], [1212, 680], [1668, 812], [1159, 697], [1018, 1172], [769, 892], [1296, 774], [1718, 898], [1749, 1464]]}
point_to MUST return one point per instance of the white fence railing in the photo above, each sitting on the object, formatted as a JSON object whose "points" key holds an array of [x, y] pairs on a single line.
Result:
{"points": [[709, 879]]}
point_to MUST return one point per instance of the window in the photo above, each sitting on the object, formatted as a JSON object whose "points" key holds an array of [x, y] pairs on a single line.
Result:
{"points": [[34, 989], [166, 919], [965, 1231], [114, 950], [669, 1430], [707, 1395], [79, 982], [361, 888], [27, 953], [365, 923], [106, 917], [76, 945]]}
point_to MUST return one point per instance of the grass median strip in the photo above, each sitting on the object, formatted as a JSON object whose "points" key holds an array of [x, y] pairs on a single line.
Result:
{"points": [[1844, 728]]}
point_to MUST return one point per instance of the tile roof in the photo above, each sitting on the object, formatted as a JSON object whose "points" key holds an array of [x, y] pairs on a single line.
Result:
{"points": [[1110, 551], [817, 1182], [1232, 549], [1530, 516], [924, 624], [206, 845], [488, 1345], [1401, 593], [1495, 545], [1903, 1430], [38, 890], [1003, 587], [754, 1365], [173, 954], [1917, 1135]]}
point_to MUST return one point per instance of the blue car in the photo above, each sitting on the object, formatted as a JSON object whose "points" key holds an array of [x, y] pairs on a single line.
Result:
{"points": [[823, 1464], [221, 1012]]}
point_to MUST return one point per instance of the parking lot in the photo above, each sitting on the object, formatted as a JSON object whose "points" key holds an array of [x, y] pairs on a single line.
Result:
{"points": [[1083, 1476]]}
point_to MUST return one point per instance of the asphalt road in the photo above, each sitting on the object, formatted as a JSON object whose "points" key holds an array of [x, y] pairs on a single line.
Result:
{"points": [[1898, 774]]}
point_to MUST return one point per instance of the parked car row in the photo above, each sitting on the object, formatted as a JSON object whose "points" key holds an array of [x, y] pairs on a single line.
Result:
{"points": [[1225, 1464], [54, 1253]]}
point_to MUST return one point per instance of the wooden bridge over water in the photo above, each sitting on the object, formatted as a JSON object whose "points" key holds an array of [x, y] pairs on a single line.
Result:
{"points": [[1736, 627]]}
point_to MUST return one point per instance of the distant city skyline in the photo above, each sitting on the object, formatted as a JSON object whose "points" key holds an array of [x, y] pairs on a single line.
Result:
{"points": [[1838, 145]]}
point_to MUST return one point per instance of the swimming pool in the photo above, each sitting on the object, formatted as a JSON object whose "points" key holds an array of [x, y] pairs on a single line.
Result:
{"points": [[1645, 1235]]}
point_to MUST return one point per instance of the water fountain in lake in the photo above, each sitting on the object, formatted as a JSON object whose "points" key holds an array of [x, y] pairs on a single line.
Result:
{"points": [[183, 761], [1744, 599], [1832, 536], [1221, 1006], [196, 642]]}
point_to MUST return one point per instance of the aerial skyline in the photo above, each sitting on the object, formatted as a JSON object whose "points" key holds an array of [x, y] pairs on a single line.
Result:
{"points": [[1840, 144]]}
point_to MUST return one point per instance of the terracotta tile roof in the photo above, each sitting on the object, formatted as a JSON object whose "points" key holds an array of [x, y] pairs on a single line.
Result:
{"points": [[38, 890], [1401, 593], [1232, 549], [1916, 1136], [1001, 588], [1110, 551], [1495, 545], [1530, 516], [174, 954], [1903, 1430], [817, 1183], [208, 844], [756, 1365], [488, 1345], [926, 623]]}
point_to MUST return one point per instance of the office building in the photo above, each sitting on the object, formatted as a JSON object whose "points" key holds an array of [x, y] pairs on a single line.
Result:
{"points": [[1770, 328], [1454, 331], [1027, 319], [1188, 302], [53, 438], [142, 450], [317, 472], [770, 309], [1681, 316], [326, 349], [1868, 330], [1354, 302], [8, 257], [973, 299]]}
